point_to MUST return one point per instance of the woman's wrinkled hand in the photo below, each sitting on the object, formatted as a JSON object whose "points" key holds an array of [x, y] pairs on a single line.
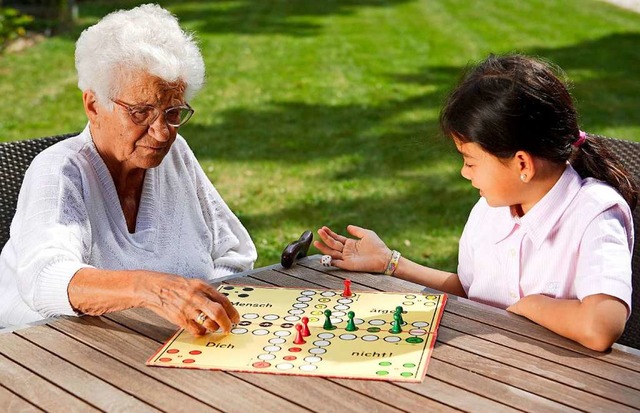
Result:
{"points": [[366, 253], [181, 300]]}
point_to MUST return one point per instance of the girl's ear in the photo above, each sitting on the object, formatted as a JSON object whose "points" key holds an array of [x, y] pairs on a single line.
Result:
{"points": [[525, 166]]}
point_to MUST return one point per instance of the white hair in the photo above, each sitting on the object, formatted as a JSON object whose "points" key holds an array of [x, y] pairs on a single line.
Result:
{"points": [[147, 39]]}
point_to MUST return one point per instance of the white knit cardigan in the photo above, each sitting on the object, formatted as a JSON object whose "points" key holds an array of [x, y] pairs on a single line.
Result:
{"points": [[69, 217]]}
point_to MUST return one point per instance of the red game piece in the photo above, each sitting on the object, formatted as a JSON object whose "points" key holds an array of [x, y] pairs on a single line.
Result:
{"points": [[347, 289], [305, 327], [299, 339]]}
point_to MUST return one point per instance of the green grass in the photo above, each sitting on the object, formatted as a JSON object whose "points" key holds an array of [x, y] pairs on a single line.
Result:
{"points": [[325, 112]]}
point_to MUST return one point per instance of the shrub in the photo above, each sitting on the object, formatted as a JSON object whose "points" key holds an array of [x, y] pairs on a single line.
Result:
{"points": [[13, 24]]}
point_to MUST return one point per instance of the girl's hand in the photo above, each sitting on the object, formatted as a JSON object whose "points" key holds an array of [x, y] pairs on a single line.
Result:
{"points": [[367, 253]]}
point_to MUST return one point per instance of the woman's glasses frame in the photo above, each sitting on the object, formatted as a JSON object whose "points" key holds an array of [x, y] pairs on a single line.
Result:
{"points": [[145, 115]]}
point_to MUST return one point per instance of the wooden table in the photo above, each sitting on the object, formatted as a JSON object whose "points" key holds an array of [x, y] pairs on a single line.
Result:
{"points": [[484, 360]]}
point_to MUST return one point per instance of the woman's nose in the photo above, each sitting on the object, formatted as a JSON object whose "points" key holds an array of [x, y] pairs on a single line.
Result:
{"points": [[159, 129]]}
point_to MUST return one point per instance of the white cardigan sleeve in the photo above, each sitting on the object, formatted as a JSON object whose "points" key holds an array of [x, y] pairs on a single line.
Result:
{"points": [[50, 233]]}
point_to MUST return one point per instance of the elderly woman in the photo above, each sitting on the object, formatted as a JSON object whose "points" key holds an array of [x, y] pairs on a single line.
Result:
{"points": [[122, 215]]}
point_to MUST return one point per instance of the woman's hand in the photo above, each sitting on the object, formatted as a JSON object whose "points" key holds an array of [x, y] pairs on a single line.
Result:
{"points": [[181, 300], [366, 253]]}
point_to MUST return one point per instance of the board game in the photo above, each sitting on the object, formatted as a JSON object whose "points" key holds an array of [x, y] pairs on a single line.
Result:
{"points": [[309, 332]]}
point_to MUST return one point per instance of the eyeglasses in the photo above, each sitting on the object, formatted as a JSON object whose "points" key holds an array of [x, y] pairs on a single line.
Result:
{"points": [[145, 115]]}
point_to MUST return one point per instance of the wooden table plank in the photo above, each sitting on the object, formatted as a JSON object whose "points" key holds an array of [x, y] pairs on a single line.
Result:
{"points": [[217, 389], [10, 402], [533, 382], [113, 371], [586, 385], [546, 356], [491, 387], [37, 390], [69, 377], [397, 397]]}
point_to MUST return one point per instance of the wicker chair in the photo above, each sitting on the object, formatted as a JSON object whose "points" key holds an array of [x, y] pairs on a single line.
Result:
{"points": [[15, 158], [628, 153]]}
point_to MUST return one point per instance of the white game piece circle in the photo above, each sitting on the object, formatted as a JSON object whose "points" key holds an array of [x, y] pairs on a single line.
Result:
{"points": [[392, 339], [239, 330], [308, 367], [370, 337]]}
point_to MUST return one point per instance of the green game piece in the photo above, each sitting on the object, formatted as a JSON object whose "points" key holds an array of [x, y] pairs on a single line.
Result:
{"points": [[327, 321], [399, 311], [351, 325], [396, 325]]}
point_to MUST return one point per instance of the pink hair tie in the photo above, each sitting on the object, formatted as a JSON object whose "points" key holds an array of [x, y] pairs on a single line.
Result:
{"points": [[582, 137]]}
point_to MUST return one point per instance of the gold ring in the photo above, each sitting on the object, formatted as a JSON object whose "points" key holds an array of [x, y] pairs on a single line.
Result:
{"points": [[202, 317]]}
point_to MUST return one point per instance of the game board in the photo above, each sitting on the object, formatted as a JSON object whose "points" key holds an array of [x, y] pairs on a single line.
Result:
{"points": [[265, 339]]}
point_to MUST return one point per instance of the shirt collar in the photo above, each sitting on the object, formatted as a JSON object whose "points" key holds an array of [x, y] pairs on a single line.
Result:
{"points": [[541, 219], [544, 215]]}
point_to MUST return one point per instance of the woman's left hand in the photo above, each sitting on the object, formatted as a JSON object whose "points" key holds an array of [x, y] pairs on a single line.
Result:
{"points": [[180, 300], [183, 300]]}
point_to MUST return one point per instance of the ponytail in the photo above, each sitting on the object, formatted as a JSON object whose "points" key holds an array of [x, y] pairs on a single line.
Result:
{"points": [[592, 158]]}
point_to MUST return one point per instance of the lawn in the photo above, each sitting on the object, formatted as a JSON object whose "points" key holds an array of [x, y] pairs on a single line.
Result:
{"points": [[325, 112]]}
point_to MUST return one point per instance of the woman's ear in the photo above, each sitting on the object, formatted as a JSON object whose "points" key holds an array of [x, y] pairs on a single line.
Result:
{"points": [[525, 165], [90, 102]]}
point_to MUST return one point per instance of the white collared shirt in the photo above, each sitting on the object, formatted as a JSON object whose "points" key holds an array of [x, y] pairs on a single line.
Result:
{"points": [[575, 242]]}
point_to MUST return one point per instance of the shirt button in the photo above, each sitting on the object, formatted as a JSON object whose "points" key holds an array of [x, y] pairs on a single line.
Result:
{"points": [[512, 252], [513, 295]]}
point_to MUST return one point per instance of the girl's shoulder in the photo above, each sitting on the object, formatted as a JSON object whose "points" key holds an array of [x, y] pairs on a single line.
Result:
{"points": [[600, 196]]}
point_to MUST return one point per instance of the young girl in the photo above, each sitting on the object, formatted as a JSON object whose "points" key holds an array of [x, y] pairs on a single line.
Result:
{"points": [[551, 237]]}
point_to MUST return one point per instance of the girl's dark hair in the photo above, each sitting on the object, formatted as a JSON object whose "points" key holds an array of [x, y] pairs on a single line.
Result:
{"points": [[512, 103]]}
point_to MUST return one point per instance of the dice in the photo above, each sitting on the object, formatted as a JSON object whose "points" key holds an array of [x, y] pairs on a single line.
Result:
{"points": [[326, 260]]}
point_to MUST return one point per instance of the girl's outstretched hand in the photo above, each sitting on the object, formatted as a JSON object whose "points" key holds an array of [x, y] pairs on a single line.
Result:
{"points": [[366, 253]]}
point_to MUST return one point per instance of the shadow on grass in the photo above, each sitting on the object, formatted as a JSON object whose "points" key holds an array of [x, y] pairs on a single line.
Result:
{"points": [[283, 17], [607, 97], [299, 132]]}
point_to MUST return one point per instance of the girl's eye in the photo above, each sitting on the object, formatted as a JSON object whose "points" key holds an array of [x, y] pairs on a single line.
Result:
{"points": [[468, 165]]}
